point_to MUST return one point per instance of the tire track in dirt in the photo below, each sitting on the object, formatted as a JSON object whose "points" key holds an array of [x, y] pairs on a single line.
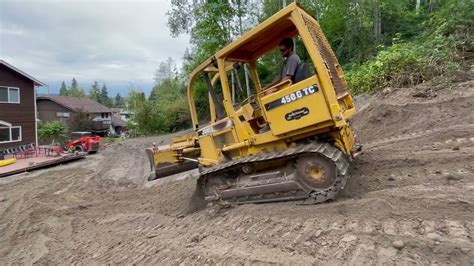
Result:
{"points": [[306, 240], [29, 208], [467, 129]]}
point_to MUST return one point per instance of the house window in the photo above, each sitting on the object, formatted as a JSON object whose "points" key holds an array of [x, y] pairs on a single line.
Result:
{"points": [[63, 114], [9, 95], [10, 134]]}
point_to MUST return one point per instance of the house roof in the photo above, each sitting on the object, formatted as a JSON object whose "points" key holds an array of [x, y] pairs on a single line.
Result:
{"points": [[119, 111], [37, 82], [117, 121], [77, 103]]}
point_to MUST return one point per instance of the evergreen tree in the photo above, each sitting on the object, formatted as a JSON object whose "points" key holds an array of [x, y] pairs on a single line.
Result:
{"points": [[153, 94], [119, 101], [63, 91], [94, 92], [103, 94], [74, 84], [104, 97], [75, 91]]}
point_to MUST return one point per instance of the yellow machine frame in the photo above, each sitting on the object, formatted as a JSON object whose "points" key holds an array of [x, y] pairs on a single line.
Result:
{"points": [[317, 106], [240, 137]]}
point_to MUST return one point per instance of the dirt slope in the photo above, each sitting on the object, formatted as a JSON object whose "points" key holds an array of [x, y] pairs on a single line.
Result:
{"points": [[409, 200]]}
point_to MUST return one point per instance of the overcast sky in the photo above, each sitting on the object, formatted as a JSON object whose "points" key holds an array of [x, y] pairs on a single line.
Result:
{"points": [[119, 42]]}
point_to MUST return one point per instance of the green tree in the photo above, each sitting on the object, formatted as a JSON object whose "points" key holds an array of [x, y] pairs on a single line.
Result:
{"points": [[75, 90], [104, 97], [81, 121], [166, 109], [119, 101], [439, 50], [212, 24], [94, 92], [166, 70], [74, 84], [377, 42], [63, 91], [142, 117], [54, 131]]}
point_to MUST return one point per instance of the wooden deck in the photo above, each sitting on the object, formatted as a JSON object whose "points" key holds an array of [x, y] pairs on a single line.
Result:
{"points": [[37, 162]]}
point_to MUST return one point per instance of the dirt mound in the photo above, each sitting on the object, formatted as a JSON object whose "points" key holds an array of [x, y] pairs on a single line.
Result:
{"points": [[413, 135], [394, 112], [409, 200]]}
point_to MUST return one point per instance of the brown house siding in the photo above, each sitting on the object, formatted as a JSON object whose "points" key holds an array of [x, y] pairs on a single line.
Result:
{"points": [[47, 110], [22, 114]]}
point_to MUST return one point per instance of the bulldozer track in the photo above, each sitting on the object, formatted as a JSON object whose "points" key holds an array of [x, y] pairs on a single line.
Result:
{"points": [[339, 159]]}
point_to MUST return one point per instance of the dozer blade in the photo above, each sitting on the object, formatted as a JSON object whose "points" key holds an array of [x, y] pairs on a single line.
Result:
{"points": [[167, 169]]}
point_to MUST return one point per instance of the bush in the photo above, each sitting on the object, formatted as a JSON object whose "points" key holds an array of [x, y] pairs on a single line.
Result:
{"points": [[167, 111], [401, 65], [406, 64], [54, 131], [81, 121], [439, 51]]}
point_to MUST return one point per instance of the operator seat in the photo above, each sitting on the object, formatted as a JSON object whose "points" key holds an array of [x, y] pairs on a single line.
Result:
{"points": [[301, 73]]}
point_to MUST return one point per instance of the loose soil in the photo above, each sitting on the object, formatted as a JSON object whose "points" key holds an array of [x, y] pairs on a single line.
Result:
{"points": [[409, 200]]}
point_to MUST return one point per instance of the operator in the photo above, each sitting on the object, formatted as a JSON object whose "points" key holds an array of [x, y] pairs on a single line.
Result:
{"points": [[292, 60]]}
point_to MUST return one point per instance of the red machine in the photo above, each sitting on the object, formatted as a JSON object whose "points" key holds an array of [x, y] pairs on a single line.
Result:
{"points": [[83, 142]]}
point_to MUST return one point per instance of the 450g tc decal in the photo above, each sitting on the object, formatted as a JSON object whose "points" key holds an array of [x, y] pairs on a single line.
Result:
{"points": [[294, 96]]}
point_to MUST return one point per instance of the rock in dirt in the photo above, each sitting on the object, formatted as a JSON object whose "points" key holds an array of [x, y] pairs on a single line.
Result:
{"points": [[349, 238], [195, 238], [424, 94], [433, 236], [391, 178], [452, 177], [386, 91], [398, 244]]}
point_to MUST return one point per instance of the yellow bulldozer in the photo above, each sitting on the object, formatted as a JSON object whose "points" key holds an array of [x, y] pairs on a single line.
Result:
{"points": [[294, 143]]}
